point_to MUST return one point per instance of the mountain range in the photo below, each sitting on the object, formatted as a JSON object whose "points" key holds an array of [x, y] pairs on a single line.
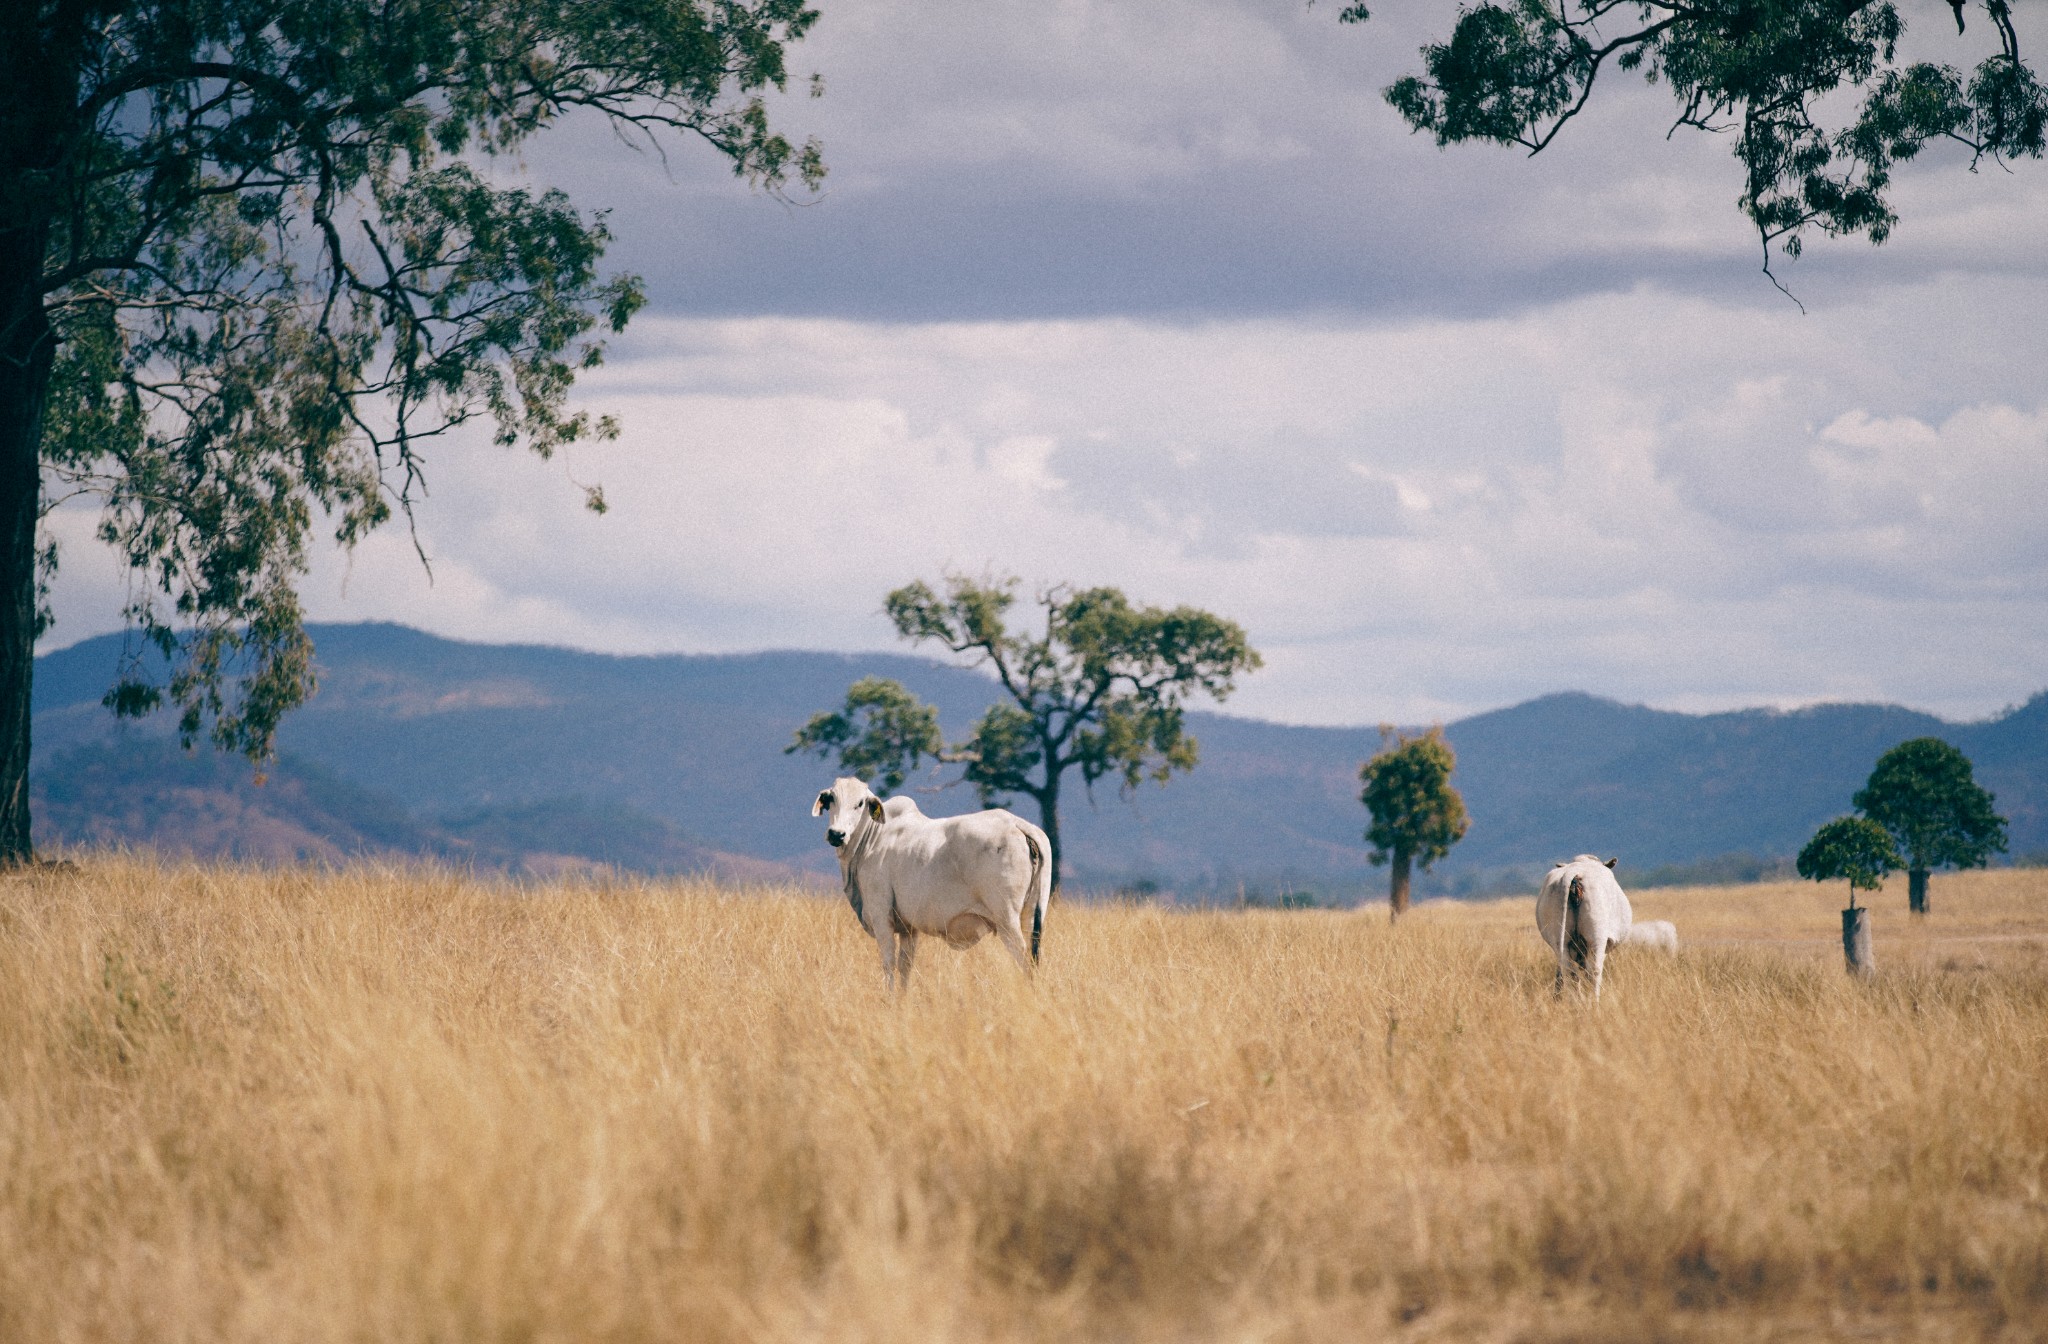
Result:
{"points": [[546, 760]]}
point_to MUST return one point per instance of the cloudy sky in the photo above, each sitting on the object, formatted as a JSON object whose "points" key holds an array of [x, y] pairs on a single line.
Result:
{"points": [[1160, 294]]}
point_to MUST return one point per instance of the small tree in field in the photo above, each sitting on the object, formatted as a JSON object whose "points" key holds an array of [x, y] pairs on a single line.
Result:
{"points": [[1922, 794], [1860, 850], [1855, 848], [1100, 691], [1416, 815]]}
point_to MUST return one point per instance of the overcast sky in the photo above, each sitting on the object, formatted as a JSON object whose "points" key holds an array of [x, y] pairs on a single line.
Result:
{"points": [[1160, 294]]}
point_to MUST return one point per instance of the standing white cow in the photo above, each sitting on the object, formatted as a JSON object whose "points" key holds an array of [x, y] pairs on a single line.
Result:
{"points": [[1581, 912], [956, 878]]}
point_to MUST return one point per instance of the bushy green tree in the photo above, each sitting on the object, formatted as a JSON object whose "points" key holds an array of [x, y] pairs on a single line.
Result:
{"points": [[1101, 691], [1923, 794], [253, 260], [1416, 815], [1855, 848], [1513, 72], [879, 734]]}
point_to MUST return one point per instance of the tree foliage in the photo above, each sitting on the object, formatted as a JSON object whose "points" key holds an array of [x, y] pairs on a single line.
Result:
{"points": [[880, 734], [1415, 810], [1924, 796], [1514, 72], [1102, 690], [270, 263], [1855, 848]]}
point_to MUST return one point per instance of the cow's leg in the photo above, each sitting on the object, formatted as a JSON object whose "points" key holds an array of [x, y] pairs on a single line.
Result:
{"points": [[1012, 935], [1561, 947], [885, 941], [1554, 940], [906, 955], [1596, 960]]}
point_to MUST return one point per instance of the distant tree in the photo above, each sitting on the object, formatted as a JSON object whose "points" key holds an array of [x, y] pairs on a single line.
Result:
{"points": [[1416, 815], [1922, 793], [1855, 848], [1515, 71], [1101, 691], [255, 259], [879, 734]]}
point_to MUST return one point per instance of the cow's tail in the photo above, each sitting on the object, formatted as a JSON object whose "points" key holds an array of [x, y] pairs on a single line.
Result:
{"points": [[1569, 941], [1041, 891], [1564, 924]]}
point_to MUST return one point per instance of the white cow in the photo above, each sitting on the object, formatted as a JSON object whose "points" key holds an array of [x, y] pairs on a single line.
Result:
{"points": [[956, 878], [1581, 912], [1657, 933]]}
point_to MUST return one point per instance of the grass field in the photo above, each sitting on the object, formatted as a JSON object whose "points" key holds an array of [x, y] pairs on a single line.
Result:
{"points": [[393, 1106]]}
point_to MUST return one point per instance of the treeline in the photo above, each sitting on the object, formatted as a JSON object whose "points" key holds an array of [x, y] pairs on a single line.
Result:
{"points": [[1102, 694]]}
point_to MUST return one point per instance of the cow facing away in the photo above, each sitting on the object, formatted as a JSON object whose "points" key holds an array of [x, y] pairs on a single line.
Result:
{"points": [[1658, 933], [956, 878], [1581, 913]]}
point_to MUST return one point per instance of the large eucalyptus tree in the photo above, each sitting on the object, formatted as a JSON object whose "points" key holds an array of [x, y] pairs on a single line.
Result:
{"points": [[253, 261]]}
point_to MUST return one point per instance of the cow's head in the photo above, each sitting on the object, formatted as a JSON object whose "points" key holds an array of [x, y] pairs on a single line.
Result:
{"points": [[844, 805]]}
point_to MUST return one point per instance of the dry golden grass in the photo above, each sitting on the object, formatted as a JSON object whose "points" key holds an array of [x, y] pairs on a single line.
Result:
{"points": [[397, 1106]]}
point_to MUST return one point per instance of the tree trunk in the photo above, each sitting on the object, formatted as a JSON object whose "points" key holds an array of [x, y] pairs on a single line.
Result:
{"points": [[1397, 893], [1916, 890], [1856, 938], [1049, 822], [26, 351], [40, 50]]}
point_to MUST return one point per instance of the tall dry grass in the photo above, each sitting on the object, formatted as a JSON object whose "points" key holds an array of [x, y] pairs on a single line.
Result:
{"points": [[397, 1106]]}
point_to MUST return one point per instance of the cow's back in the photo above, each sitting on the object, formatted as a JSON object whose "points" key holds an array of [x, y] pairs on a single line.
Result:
{"points": [[1603, 906], [939, 868]]}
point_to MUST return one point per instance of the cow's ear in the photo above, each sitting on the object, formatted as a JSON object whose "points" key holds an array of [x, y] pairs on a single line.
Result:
{"points": [[1558, 864], [818, 803], [1612, 862], [875, 808]]}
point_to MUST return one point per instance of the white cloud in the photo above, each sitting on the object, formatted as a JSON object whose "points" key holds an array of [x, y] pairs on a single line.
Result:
{"points": [[1159, 293], [1646, 496]]}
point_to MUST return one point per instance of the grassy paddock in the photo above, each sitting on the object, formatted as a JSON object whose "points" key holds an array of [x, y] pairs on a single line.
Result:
{"points": [[395, 1106]]}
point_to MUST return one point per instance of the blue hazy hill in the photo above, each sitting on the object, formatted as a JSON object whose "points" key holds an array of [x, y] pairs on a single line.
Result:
{"points": [[499, 745]]}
